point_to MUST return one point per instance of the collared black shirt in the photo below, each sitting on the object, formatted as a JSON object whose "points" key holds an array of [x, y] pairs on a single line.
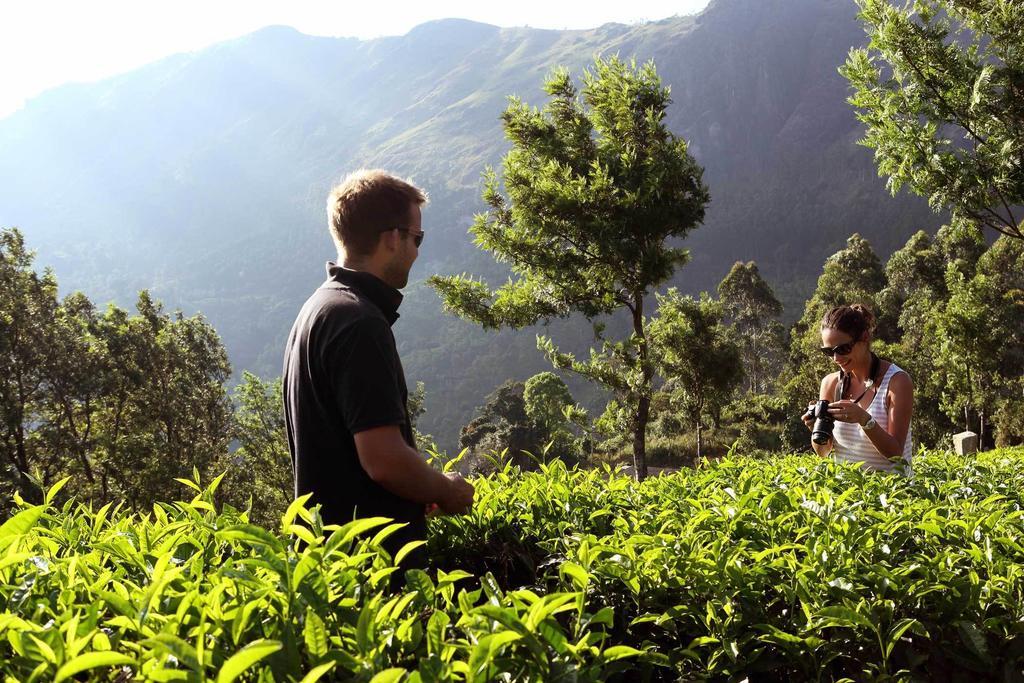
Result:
{"points": [[342, 375]]}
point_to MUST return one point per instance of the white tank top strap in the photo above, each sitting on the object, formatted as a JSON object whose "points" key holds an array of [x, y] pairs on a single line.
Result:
{"points": [[853, 445]]}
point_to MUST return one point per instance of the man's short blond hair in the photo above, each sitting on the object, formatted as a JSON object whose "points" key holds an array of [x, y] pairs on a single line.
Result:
{"points": [[366, 203]]}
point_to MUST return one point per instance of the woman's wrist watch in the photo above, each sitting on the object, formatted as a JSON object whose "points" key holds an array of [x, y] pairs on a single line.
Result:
{"points": [[870, 424]]}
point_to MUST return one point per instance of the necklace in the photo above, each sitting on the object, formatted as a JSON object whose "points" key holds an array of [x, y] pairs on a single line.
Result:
{"points": [[868, 383]]}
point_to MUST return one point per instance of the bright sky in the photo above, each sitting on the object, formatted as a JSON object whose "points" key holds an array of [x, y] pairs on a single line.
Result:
{"points": [[44, 43]]}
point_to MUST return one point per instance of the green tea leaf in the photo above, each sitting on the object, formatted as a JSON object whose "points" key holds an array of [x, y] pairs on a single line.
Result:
{"points": [[304, 534], [171, 644], [91, 660], [577, 574], [316, 672], [436, 627], [843, 617], [241, 620], [408, 548], [297, 508], [620, 652], [419, 580], [252, 534], [344, 535], [190, 484], [245, 658], [20, 524], [315, 634], [897, 631], [55, 489], [975, 640], [389, 676], [383, 534]]}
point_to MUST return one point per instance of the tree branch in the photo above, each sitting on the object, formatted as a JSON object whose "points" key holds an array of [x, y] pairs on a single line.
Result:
{"points": [[950, 110]]}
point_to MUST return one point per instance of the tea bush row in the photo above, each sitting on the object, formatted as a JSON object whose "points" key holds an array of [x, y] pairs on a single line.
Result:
{"points": [[188, 594], [782, 569], [779, 569]]}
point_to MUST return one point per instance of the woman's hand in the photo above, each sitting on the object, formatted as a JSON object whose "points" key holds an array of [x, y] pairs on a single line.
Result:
{"points": [[807, 417], [848, 411]]}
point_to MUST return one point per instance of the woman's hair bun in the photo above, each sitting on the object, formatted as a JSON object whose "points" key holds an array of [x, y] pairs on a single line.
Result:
{"points": [[855, 320]]}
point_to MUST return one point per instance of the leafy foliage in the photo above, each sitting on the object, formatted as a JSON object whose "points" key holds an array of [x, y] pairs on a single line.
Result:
{"points": [[784, 569], [752, 311], [122, 404], [695, 350], [981, 328], [939, 87], [781, 569], [522, 423], [186, 593], [596, 186], [502, 427], [258, 474]]}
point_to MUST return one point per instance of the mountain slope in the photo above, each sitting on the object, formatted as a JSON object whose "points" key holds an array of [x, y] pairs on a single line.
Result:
{"points": [[203, 176]]}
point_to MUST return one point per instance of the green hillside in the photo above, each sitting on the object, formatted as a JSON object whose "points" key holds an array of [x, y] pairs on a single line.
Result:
{"points": [[202, 177]]}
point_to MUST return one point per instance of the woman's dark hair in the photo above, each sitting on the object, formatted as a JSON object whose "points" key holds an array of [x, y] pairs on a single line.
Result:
{"points": [[855, 320]]}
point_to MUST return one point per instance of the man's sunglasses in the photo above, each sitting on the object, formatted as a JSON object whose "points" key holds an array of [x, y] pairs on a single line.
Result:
{"points": [[841, 350], [417, 237]]}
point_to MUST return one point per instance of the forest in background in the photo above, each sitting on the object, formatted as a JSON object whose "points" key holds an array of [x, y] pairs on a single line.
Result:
{"points": [[202, 177], [598, 188]]}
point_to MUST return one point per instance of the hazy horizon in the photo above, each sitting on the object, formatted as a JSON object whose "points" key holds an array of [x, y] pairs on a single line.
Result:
{"points": [[58, 42]]}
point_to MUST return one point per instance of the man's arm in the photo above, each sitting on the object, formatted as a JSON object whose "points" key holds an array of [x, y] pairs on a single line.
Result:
{"points": [[390, 462]]}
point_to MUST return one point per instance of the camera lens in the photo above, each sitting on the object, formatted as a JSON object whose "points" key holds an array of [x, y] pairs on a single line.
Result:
{"points": [[823, 423]]}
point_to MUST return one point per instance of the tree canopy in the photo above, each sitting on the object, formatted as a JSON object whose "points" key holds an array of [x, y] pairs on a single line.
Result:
{"points": [[595, 186], [123, 404], [940, 86]]}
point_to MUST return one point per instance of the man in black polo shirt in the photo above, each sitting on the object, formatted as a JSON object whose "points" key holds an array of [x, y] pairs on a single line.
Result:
{"points": [[345, 394]]}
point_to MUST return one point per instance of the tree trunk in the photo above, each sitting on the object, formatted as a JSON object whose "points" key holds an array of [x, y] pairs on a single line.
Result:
{"points": [[80, 445], [699, 441], [970, 402], [20, 451], [639, 438], [643, 410]]}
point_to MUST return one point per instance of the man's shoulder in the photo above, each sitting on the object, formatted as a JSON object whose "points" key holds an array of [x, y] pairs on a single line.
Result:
{"points": [[336, 305]]}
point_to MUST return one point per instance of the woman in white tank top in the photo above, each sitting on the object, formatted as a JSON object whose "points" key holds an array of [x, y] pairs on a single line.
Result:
{"points": [[871, 399]]}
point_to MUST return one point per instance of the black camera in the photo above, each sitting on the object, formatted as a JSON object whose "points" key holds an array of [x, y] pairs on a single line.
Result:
{"points": [[823, 422]]}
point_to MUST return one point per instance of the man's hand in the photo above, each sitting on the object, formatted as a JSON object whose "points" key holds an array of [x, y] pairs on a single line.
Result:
{"points": [[390, 462], [459, 497]]}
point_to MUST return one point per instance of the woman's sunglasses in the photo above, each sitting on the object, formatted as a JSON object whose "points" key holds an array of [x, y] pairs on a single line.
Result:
{"points": [[841, 350]]}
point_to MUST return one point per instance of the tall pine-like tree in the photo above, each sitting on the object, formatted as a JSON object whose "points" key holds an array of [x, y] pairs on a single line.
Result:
{"points": [[750, 306], [595, 187]]}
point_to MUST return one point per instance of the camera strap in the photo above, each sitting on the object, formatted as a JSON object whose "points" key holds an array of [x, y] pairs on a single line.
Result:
{"points": [[844, 380]]}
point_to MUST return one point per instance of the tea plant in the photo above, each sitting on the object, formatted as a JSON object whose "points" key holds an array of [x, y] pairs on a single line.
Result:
{"points": [[780, 568], [188, 594], [789, 568]]}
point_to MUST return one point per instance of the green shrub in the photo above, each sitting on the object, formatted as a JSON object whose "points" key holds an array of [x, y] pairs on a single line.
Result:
{"points": [[777, 569], [789, 568], [187, 594]]}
